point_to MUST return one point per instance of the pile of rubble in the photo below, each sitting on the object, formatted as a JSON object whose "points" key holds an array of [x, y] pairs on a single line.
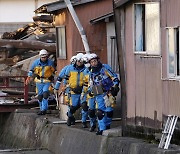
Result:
{"points": [[25, 42], [18, 49]]}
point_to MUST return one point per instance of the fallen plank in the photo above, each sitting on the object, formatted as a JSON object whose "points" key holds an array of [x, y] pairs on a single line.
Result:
{"points": [[27, 44]]}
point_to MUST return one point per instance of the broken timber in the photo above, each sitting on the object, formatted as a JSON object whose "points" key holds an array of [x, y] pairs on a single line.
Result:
{"points": [[23, 44]]}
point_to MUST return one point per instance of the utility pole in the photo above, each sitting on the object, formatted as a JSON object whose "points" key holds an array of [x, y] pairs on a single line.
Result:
{"points": [[78, 25]]}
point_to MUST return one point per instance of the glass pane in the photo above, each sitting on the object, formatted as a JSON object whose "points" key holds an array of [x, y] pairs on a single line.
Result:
{"points": [[152, 27], [138, 27], [61, 43], [171, 50]]}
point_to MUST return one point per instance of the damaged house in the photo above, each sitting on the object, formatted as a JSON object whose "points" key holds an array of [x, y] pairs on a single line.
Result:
{"points": [[68, 38]]}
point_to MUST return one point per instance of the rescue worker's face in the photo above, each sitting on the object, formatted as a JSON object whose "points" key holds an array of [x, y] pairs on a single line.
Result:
{"points": [[94, 62], [44, 58], [79, 63]]}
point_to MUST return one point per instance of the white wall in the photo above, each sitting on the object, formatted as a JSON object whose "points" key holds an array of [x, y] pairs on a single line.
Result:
{"points": [[19, 10]]}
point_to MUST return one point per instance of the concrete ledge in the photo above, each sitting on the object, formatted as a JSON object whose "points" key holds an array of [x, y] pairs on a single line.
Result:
{"points": [[114, 132], [25, 151], [27, 130]]}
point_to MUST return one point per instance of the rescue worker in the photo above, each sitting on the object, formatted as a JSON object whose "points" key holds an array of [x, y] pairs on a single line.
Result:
{"points": [[74, 77], [42, 70], [86, 97], [103, 84], [62, 74], [65, 88]]}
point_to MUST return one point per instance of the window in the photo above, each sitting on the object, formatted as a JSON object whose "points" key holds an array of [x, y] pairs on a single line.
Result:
{"points": [[114, 55], [147, 28], [61, 42], [173, 52]]}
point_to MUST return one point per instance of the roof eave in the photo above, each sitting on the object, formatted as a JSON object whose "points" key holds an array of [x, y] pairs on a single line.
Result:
{"points": [[120, 3], [101, 18], [58, 5]]}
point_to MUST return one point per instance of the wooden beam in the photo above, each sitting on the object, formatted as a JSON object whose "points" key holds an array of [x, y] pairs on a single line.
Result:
{"points": [[29, 44]]}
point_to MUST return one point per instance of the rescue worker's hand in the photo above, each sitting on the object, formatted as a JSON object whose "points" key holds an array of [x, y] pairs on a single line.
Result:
{"points": [[55, 91], [28, 80], [63, 88], [114, 90], [91, 94]]}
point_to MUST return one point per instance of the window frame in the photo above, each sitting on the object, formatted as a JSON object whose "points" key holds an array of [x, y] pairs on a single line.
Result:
{"points": [[114, 55], [176, 52], [145, 51]]}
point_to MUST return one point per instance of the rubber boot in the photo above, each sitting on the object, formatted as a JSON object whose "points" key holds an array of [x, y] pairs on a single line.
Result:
{"points": [[92, 128], [73, 120], [84, 125]]}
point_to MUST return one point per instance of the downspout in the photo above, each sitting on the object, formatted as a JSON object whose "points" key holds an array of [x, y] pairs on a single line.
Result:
{"points": [[78, 25]]}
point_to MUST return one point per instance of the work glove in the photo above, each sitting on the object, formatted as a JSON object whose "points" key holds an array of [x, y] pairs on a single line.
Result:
{"points": [[106, 101], [115, 90], [27, 80]]}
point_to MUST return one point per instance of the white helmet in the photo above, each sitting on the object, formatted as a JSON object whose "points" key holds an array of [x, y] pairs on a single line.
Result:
{"points": [[93, 56], [79, 56], [86, 57], [43, 53], [73, 59]]}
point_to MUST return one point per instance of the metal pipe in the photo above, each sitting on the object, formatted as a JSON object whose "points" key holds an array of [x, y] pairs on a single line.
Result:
{"points": [[78, 25]]}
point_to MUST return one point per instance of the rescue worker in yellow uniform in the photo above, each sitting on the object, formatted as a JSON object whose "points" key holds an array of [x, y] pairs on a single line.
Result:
{"points": [[74, 75], [43, 70], [61, 76]]}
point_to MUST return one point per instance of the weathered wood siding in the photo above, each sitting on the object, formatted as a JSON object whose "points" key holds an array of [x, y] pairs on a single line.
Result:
{"points": [[169, 18], [150, 95], [144, 85], [96, 34]]}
